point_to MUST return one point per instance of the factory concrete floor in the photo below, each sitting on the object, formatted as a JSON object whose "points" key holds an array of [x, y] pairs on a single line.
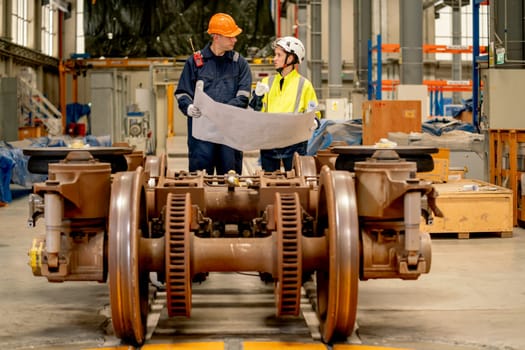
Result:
{"points": [[472, 299]]}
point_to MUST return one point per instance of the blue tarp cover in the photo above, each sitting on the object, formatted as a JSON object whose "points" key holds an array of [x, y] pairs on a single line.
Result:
{"points": [[437, 126], [13, 163], [7, 163], [349, 131]]}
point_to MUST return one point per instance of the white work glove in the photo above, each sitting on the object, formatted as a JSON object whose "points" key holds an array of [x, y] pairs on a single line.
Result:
{"points": [[194, 111], [312, 106], [261, 88]]}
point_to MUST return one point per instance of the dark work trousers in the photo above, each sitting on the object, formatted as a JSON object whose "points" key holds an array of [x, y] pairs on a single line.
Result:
{"points": [[271, 158], [209, 156]]}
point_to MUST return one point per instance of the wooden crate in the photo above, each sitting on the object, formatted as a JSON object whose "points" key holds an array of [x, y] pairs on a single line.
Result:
{"points": [[455, 174], [505, 169], [466, 211], [27, 132], [440, 172], [384, 116]]}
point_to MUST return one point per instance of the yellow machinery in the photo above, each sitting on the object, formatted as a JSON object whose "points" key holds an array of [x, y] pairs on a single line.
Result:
{"points": [[338, 226]]}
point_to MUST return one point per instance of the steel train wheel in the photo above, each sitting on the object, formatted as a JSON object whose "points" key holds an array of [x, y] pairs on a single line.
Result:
{"points": [[338, 281], [289, 252], [152, 167], [178, 279], [128, 285], [304, 165]]}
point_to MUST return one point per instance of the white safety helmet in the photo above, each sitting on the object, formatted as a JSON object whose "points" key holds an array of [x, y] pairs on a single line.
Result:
{"points": [[292, 45]]}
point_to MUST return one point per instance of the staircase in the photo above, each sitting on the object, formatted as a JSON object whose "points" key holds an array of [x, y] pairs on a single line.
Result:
{"points": [[35, 107]]}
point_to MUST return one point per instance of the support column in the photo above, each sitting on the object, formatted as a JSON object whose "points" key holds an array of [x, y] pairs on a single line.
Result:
{"points": [[362, 32], [411, 41], [302, 29], [38, 26], [7, 20], [335, 80], [456, 40], [315, 55]]}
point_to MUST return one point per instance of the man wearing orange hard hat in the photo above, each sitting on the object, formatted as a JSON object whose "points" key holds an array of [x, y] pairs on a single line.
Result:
{"points": [[227, 79]]}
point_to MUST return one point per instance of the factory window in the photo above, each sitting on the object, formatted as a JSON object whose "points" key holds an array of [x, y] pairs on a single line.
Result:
{"points": [[79, 45], [20, 22], [445, 34], [49, 30]]}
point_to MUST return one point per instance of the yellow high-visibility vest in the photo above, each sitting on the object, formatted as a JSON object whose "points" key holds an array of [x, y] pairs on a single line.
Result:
{"points": [[293, 97]]}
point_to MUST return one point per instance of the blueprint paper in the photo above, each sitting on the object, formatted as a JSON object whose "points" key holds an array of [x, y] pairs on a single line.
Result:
{"points": [[246, 129]]}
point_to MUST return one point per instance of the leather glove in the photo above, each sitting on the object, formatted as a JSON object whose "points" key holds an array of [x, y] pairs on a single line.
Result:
{"points": [[261, 88], [193, 111]]}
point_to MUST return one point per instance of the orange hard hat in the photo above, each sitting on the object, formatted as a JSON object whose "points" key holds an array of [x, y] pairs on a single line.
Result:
{"points": [[223, 24]]}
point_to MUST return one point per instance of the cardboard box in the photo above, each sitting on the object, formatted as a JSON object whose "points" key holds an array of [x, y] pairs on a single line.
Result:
{"points": [[465, 117]]}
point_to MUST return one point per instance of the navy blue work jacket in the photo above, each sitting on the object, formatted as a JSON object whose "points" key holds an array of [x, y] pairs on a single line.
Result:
{"points": [[227, 79]]}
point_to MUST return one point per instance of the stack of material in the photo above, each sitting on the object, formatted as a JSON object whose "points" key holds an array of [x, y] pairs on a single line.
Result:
{"points": [[453, 140]]}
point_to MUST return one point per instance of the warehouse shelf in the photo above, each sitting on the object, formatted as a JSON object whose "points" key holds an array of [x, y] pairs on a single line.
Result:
{"points": [[380, 85], [433, 85], [430, 49], [476, 58]]}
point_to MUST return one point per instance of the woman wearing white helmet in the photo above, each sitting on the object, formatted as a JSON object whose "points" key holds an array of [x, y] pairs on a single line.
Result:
{"points": [[285, 92], [292, 46]]}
